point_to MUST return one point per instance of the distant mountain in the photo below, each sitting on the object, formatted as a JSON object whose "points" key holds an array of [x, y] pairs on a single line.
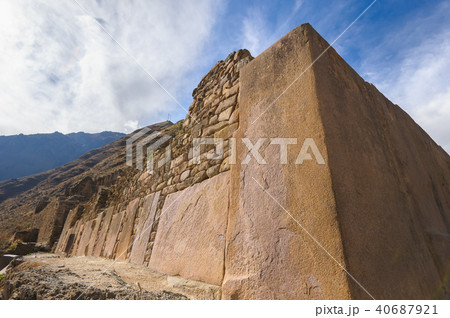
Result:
{"points": [[24, 155], [99, 168]]}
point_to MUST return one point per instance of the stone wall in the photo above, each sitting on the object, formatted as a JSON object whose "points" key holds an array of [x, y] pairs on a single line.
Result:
{"points": [[214, 113], [51, 219], [372, 222], [190, 241], [127, 228], [377, 208]]}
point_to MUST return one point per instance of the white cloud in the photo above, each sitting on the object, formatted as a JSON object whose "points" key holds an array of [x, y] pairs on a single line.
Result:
{"points": [[255, 34], [60, 71], [422, 87], [259, 32], [131, 125], [414, 71]]}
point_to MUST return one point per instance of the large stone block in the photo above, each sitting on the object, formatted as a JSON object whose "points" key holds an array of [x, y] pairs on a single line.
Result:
{"points": [[190, 240], [378, 208], [269, 256], [84, 239], [144, 228], [103, 232], [62, 242], [391, 183], [69, 240], [94, 235], [113, 232], [78, 234], [124, 243]]}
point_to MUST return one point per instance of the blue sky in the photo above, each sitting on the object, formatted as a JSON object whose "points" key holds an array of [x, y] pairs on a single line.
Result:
{"points": [[62, 72]]}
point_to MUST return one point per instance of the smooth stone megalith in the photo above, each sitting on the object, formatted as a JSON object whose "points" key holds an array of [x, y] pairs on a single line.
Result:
{"points": [[190, 240]]}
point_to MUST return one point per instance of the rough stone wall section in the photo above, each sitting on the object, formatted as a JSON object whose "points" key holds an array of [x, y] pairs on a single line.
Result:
{"points": [[94, 236], [67, 229], [379, 205], [124, 238], [103, 232], [113, 233], [51, 220], [144, 228], [85, 238], [214, 113]]}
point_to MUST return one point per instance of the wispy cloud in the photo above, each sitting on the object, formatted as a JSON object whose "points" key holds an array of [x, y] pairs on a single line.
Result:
{"points": [[405, 54], [414, 70], [255, 34], [61, 72], [420, 84], [260, 28]]}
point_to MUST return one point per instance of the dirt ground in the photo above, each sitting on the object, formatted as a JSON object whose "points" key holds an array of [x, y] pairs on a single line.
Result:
{"points": [[50, 276]]}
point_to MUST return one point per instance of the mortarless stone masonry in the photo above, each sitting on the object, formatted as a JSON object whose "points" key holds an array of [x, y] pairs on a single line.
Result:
{"points": [[379, 205]]}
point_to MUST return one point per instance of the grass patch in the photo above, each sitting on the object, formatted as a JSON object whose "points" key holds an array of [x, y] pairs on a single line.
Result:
{"points": [[175, 129], [13, 246]]}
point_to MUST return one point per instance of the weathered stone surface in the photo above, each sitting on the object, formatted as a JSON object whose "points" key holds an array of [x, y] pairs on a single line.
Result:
{"points": [[212, 171], [185, 175], [212, 129], [190, 240], [213, 120], [175, 162], [94, 235], [69, 240], [98, 248], [232, 91], [84, 239], [124, 243], [391, 183], [269, 256], [227, 132], [78, 233], [161, 186], [230, 101], [224, 165], [144, 228], [373, 205], [112, 234], [200, 176], [50, 221], [225, 115], [70, 221], [234, 118]]}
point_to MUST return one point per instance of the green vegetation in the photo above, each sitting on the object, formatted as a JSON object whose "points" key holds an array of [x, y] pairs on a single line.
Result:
{"points": [[1, 276], [12, 246]]}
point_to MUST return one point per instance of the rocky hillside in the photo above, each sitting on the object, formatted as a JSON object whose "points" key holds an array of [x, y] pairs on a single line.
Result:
{"points": [[22, 199], [25, 155]]}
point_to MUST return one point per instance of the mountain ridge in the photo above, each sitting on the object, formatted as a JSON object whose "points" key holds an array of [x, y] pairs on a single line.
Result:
{"points": [[22, 198], [25, 155]]}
